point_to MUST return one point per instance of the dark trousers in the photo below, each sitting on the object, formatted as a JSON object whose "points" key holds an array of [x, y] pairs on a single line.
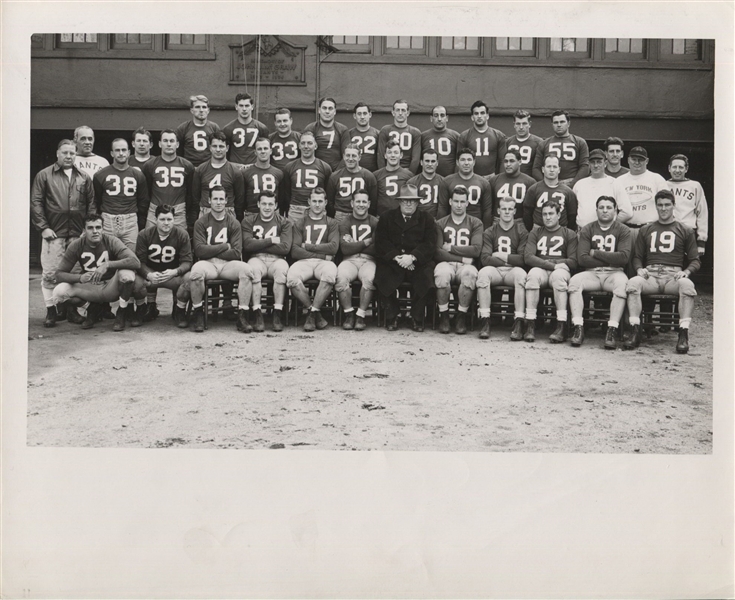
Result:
{"points": [[392, 306]]}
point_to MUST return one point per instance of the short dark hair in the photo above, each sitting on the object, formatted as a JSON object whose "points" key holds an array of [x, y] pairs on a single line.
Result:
{"points": [[521, 114], [93, 216], [679, 157], [560, 113], [66, 142], [143, 131], [548, 156], [554, 204], [170, 131], [162, 209], [318, 190], [262, 139], [217, 135], [352, 146], [606, 199], [281, 111], [392, 144], [267, 195], [199, 98], [465, 150], [401, 101], [461, 190], [478, 104], [120, 140], [613, 141], [668, 194], [515, 153], [429, 151], [360, 105], [362, 192], [217, 188], [242, 96], [324, 99]]}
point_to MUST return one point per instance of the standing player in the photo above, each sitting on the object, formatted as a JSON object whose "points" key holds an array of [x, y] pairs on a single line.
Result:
{"points": [[328, 133], [407, 136], [218, 245], [604, 251], [284, 140], [121, 196], [480, 199], [60, 198], [243, 132], [691, 205], [550, 188], [315, 243], [614, 154], [664, 256], [598, 184], [390, 178], [512, 182], [86, 160], [164, 252], [365, 136], [344, 183], [551, 256], [503, 247], [169, 178], [107, 274], [261, 177], [458, 244], [486, 143], [218, 172], [432, 187], [441, 140], [358, 260], [301, 177], [524, 141], [571, 150], [195, 135], [639, 187], [142, 144], [267, 238]]}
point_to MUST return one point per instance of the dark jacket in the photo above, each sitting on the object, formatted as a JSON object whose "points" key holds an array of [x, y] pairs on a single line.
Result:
{"points": [[395, 236], [60, 204]]}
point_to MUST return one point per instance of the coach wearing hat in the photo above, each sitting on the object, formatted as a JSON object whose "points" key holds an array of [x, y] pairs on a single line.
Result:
{"points": [[405, 239]]}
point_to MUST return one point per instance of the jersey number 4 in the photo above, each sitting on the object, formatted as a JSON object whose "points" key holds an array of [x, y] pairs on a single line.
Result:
{"points": [[261, 234], [220, 238], [554, 243]]}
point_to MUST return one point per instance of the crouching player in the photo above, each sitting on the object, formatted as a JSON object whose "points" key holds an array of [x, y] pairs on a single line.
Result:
{"points": [[267, 236], [551, 253], [108, 272], [358, 259], [604, 251], [503, 246], [164, 251]]}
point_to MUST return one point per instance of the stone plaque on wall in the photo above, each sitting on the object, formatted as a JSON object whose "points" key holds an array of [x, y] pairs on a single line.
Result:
{"points": [[268, 60]]}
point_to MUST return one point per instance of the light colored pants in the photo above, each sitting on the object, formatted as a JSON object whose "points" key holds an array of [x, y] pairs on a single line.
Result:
{"points": [[179, 215], [357, 266], [490, 276], [310, 268], [217, 268], [268, 265], [596, 281], [661, 281], [538, 278], [106, 291], [448, 273], [123, 227]]}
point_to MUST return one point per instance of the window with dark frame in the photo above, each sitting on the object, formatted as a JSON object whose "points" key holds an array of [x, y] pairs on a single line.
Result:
{"points": [[131, 41], [352, 43], [625, 48], [680, 49], [186, 41], [405, 44], [459, 46], [569, 47], [514, 46], [76, 40]]}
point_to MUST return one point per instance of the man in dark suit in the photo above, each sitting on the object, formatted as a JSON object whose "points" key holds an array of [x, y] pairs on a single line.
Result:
{"points": [[405, 239]]}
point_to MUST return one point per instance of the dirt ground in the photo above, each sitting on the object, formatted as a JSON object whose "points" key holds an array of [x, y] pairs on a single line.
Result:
{"points": [[159, 387]]}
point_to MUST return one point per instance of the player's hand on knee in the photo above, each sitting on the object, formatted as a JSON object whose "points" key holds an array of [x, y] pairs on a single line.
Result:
{"points": [[681, 275], [86, 277], [642, 273]]}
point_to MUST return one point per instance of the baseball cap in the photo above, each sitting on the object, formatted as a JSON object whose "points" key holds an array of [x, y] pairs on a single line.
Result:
{"points": [[597, 153], [409, 192], [639, 152]]}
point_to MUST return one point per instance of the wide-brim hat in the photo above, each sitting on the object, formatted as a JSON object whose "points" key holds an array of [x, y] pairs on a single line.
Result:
{"points": [[409, 192]]}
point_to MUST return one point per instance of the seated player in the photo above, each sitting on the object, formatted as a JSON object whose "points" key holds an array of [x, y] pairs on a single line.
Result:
{"points": [[108, 272], [503, 246], [358, 260], [664, 256], [267, 238], [551, 256], [164, 251], [315, 242], [458, 243], [218, 245], [604, 251]]}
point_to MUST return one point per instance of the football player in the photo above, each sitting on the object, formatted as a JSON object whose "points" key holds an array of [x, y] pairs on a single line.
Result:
{"points": [[390, 178], [550, 256], [486, 143], [524, 141], [550, 188], [261, 177], [571, 150], [431, 186], [589, 190], [86, 160], [442, 140], [614, 155], [365, 136], [196, 134], [512, 182], [142, 144], [502, 258], [315, 243], [218, 246], [328, 133], [664, 256], [107, 274], [284, 140], [218, 172], [243, 132], [603, 249], [267, 238], [691, 205], [458, 244], [301, 177], [480, 199], [345, 182], [407, 136], [356, 233]]}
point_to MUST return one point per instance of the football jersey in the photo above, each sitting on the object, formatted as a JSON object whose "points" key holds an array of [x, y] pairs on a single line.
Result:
{"points": [[444, 143], [159, 255], [120, 192], [691, 206], [322, 233], [516, 187], [241, 140], [612, 246], [284, 149], [89, 257], [488, 146], [640, 190], [546, 246], [168, 182], [389, 186], [539, 193], [527, 149], [209, 232], [257, 181], [300, 178], [328, 141], [342, 185], [588, 190], [256, 232], [618, 173], [368, 143], [465, 238], [511, 241], [673, 244], [360, 230], [572, 151], [433, 192], [207, 176], [480, 198], [409, 140], [134, 162], [194, 140], [90, 164]]}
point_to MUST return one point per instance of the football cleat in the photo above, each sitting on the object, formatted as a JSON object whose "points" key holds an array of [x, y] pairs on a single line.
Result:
{"points": [[151, 312], [530, 335], [50, 320], [121, 318], [61, 311], [634, 339], [73, 316], [392, 325], [135, 314], [198, 319], [349, 323], [682, 345], [277, 323], [242, 322], [179, 316], [485, 328], [310, 324], [417, 325], [445, 325], [560, 333], [516, 335], [94, 312], [259, 324], [106, 313], [611, 338], [460, 323], [578, 335], [321, 322], [359, 324]]}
